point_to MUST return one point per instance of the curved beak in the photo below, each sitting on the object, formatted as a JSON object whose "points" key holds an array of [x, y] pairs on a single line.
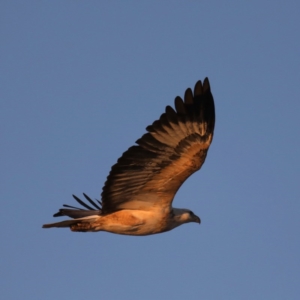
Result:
{"points": [[197, 219]]}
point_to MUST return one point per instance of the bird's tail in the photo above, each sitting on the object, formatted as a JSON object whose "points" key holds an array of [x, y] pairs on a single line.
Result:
{"points": [[81, 218], [83, 223]]}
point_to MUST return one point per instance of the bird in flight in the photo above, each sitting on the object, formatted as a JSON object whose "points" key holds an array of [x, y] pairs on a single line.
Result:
{"points": [[137, 196]]}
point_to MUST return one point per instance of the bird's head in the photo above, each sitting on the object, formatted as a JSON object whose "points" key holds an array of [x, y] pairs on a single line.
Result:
{"points": [[183, 215]]}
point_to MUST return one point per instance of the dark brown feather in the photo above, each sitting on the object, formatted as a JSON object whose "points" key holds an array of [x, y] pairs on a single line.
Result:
{"points": [[174, 148]]}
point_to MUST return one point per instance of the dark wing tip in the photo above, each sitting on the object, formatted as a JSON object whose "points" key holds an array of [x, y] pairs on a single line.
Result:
{"points": [[206, 85], [92, 202], [188, 96], [76, 212], [179, 106], [200, 88], [58, 214]]}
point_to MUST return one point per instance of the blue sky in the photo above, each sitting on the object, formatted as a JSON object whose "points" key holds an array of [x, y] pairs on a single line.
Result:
{"points": [[80, 82]]}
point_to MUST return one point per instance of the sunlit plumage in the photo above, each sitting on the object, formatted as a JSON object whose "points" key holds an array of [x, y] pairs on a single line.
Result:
{"points": [[137, 196]]}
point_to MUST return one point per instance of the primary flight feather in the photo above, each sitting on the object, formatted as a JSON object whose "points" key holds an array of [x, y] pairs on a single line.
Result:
{"points": [[137, 196]]}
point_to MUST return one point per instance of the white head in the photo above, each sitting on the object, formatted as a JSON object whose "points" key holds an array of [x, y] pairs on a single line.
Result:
{"points": [[183, 215]]}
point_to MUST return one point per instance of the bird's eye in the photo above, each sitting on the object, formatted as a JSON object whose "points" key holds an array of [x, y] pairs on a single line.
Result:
{"points": [[191, 213]]}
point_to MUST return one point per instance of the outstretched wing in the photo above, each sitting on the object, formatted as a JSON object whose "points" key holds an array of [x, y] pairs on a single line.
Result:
{"points": [[150, 173]]}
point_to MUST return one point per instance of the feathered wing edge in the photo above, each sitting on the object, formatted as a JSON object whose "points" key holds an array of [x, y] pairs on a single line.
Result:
{"points": [[78, 214]]}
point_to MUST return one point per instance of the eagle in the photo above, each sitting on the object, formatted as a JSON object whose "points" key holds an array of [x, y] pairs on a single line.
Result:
{"points": [[137, 196]]}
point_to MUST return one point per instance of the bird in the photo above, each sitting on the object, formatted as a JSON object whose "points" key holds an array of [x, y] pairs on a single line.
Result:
{"points": [[137, 196]]}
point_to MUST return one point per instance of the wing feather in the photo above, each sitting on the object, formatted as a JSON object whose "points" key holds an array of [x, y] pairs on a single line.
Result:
{"points": [[175, 146], [179, 105], [150, 173]]}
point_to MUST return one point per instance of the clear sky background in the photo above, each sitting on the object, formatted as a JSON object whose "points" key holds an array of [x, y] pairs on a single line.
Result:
{"points": [[80, 81]]}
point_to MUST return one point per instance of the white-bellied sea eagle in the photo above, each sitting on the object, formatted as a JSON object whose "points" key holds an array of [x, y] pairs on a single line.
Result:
{"points": [[137, 196]]}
